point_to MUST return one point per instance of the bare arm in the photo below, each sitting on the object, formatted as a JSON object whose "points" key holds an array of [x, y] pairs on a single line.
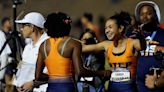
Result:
{"points": [[139, 44], [93, 48], [39, 75], [78, 64], [139, 40]]}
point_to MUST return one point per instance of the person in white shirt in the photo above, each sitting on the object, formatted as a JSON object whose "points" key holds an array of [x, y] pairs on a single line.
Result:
{"points": [[32, 27], [4, 55]]}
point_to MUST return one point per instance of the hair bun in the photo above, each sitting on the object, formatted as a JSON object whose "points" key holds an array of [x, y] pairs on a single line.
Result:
{"points": [[125, 16]]}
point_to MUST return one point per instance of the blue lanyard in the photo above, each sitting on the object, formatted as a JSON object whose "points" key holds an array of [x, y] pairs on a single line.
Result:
{"points": [[153, 35], [151, 38]]}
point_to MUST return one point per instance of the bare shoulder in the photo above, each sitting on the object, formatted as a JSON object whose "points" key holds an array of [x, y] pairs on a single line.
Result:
{"points": [[105, 44], [45, 45], [75, 42], [46, 42], [135, 42]]}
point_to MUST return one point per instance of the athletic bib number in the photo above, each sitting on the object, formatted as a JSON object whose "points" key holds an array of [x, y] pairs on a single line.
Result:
{"points": [[120, 75]]}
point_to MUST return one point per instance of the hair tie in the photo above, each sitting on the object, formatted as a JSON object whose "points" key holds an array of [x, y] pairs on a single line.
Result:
{"points": [[67, 21]]}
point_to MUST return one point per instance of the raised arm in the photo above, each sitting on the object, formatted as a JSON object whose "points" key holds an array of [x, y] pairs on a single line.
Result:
{"points": [[93, 48], [78, 64], [139, 43]]}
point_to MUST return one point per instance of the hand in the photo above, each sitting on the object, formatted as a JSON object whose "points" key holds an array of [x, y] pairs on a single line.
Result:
{"points": [[27, 86], [136, 34], [19, 89], [107, 74], [150, 79]]}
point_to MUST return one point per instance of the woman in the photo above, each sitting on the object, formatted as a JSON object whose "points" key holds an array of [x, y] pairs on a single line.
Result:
{"points": [[32, 27], [121, 53]]}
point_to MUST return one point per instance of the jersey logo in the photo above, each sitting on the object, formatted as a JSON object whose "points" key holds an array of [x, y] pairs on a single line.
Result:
{"points": [[151, 46]]}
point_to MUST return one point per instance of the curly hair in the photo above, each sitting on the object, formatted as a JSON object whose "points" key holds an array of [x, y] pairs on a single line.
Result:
{"points": [[58, 24]]}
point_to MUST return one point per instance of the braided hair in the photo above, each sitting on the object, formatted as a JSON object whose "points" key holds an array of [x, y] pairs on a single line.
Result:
{"points": [[58, 24]]}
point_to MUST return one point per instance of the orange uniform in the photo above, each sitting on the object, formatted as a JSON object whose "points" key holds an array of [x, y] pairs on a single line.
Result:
{"points": [[57, 65], [125, 60]]}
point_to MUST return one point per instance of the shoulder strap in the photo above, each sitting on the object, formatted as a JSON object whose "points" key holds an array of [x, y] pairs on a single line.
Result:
{"points": [[129, 42], [110, 47], [66, 41], [129, 47], [45, 52]]}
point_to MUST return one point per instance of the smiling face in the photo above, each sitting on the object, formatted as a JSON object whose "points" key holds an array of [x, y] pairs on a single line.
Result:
{"points": [[111, 29], [149, 18], [147, 14]]}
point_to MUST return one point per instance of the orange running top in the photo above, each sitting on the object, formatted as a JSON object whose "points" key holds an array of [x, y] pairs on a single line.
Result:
{"points": [[125, 60], [57, 65]]}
